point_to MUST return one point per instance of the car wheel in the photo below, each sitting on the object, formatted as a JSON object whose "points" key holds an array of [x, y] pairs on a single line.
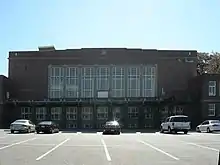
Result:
{"points": [[29, 130], [208, 130], [161, 130], [52, 131], [185, 132], [12, 131], [38, 132], [169, 130]]}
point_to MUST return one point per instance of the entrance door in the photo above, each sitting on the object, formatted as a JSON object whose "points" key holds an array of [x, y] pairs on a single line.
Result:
{"points": [[116, 113]]}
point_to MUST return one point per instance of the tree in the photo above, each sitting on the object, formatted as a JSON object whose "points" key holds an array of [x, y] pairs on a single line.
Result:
{"points": [[214, 63], [208, 63], [203, 62]]}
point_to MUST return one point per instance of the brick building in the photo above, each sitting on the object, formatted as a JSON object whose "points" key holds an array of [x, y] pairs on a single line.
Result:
{"points": [[82, 88], [205, 91]]}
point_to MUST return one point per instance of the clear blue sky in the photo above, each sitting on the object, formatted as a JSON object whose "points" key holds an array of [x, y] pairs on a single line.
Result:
{"points": [[159, 24]]}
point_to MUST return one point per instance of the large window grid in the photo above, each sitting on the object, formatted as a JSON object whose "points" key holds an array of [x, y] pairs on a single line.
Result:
{"points": [[87, 82], [118, 82], [26, 113], [87, 113], [133, 82], [102, 78], [132, 112], [149, 81], [41, 113], [102, 113], [56, 113], [56, 85], [72, 83], [212, 88], [71, 113]]}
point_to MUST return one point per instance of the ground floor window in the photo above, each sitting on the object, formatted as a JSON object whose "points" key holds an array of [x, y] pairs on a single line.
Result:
{"points": [[26, 113], [116, 113], [164, 113], [148, 125], [100, 125], [133, 125], [211, 109], [87, 113], [87, 126], [71, 125], [56, 113], [178, 110], [148, 113], [71, 113], [132, 112], [41, 113], [102, 113]]}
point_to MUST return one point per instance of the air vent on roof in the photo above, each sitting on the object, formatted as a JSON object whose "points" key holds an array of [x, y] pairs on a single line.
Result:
{"points": [[46, 48]]}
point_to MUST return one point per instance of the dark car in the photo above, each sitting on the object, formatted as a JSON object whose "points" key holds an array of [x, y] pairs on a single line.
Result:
{"points": [[112, 127], [47, 127]]}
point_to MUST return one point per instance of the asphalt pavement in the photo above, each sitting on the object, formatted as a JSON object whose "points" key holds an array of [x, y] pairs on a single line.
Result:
{"points": [[97, 149]]}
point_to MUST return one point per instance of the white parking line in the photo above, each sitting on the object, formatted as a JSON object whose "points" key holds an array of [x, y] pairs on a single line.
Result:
{"points": [[106, 150], [147, 144], [45, 154], [205, 147], [16, 143]]}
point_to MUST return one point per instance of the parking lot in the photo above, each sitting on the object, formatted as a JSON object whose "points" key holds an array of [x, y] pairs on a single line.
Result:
{"points": [[95, 148]]}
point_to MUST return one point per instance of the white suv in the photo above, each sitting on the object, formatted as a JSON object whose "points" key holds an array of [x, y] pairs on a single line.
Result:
{"points": [[176, 124]]}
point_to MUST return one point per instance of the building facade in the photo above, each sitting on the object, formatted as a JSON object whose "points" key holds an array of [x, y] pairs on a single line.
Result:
{"points": [[206, 94], [83, 88]]}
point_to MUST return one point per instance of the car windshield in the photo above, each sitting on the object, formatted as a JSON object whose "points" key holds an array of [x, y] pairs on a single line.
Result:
{"points": [[215, 121], [180, 119], [45, 123]]}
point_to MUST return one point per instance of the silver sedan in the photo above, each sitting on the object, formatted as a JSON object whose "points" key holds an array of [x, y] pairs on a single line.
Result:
{"points": [[22, 125]]}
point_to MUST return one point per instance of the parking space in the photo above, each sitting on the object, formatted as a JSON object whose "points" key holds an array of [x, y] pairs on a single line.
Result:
{"points": [[95, 148]]}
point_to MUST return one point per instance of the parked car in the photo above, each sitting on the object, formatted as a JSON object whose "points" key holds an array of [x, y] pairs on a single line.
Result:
{"points": [[209, 126], [174, 124], [112, 127], [22, 125], [47, 127]]}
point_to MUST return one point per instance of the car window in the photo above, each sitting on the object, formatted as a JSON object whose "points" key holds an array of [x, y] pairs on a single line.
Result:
{"points": [[45, 123], [214, 121], [30, 122], [205, 122], [167, 120], [180, 119], [171, 119]]}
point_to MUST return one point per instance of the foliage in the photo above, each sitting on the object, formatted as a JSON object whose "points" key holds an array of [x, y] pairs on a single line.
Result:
{"points": [[208, 63]]}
